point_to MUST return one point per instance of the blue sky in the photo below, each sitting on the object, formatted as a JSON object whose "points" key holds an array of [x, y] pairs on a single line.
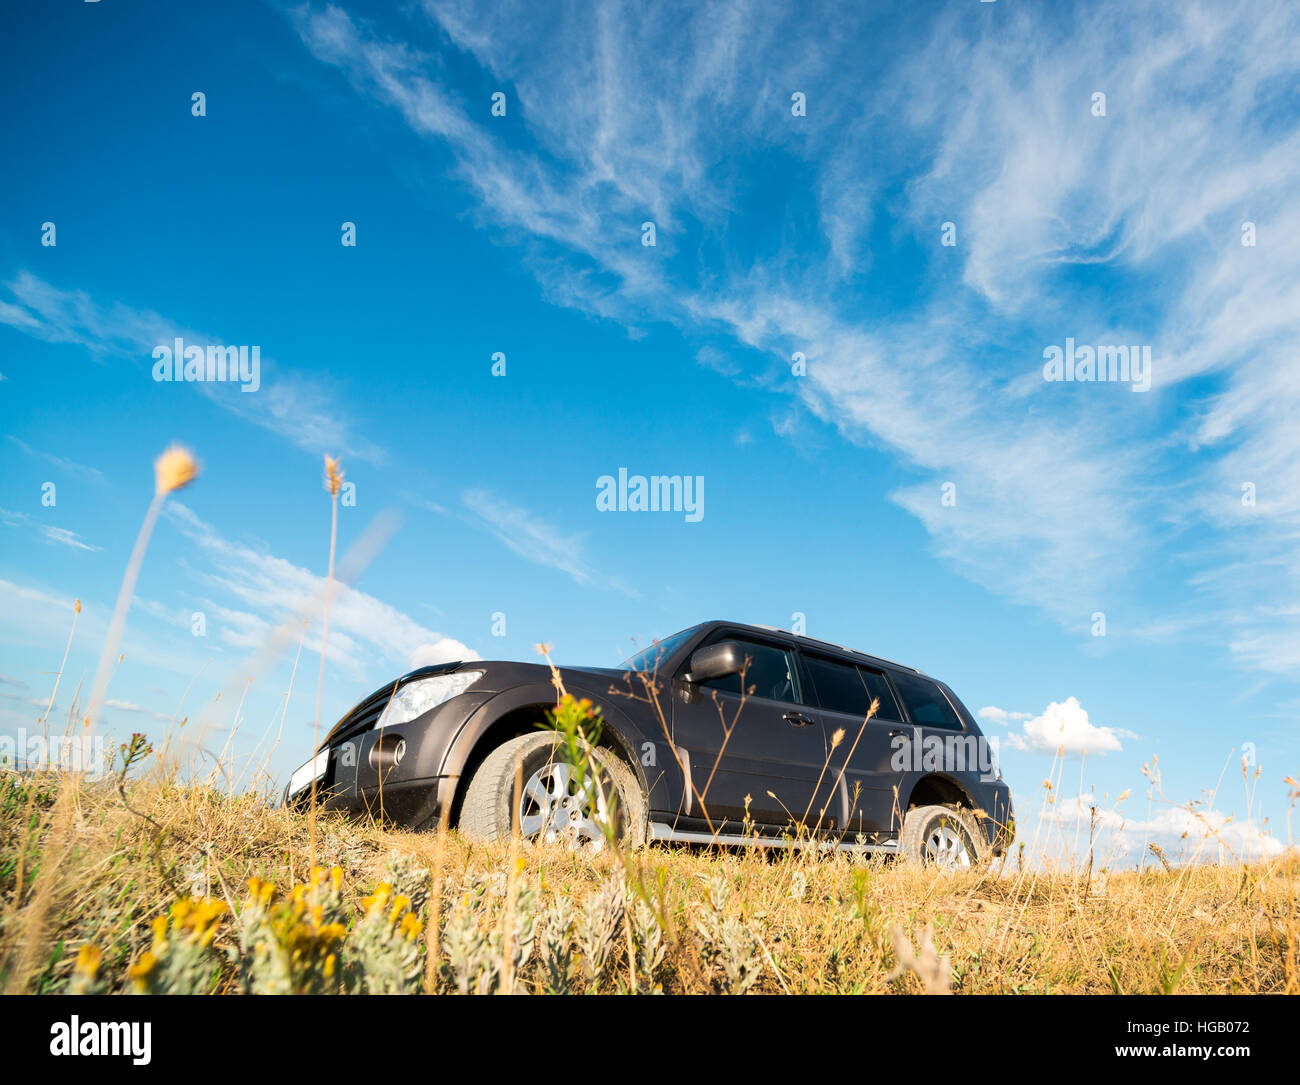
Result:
{"points": [[778, 229]]}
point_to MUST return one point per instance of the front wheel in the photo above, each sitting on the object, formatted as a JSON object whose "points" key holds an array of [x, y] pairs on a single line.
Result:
{"points": [[946, 837], [557, 802]]}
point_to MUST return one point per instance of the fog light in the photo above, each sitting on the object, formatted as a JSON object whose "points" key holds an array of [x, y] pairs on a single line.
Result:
{"points": [[387, 753]]}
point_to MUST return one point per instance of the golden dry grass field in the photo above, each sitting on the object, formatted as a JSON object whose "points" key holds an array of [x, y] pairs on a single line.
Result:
{"points": [[167, 889]]}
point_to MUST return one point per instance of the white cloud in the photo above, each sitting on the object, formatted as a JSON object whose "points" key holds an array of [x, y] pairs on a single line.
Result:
{"points": [[36, 614], [1196, 99], [444, 651], [66, 537], [1056, 505], [270, 588], [92, 474], [61, 535], [300, 409], [1037, 500], [531, 537], [1064, 726], [1180, 831], [1000, 715]]}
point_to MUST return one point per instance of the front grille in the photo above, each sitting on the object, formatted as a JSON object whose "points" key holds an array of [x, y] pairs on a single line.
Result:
{"points": [[359, 722]]}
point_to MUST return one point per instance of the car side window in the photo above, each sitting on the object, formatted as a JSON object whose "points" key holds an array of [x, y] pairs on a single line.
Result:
{"points": [[926, 703], [771, 673], [878, 689], [839, 687], [843, 687]]}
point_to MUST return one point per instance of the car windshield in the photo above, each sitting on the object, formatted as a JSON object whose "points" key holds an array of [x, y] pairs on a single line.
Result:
{"points": [[648, 660]]}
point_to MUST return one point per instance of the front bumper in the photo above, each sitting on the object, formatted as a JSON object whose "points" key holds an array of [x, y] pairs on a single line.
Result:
{"points": [[394, 775]]}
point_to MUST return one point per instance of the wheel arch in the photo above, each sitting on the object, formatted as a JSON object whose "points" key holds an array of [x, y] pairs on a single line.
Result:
{"points": [[939, 789], [517, 712]]}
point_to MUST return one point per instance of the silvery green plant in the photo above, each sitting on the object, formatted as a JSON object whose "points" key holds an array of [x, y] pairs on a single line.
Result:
{"points": [[555, 948], [292, 945], [469, 967], [474, 945], [409, 878], [181, 960], [597, 929], [727, 946], [648, 937], [384, 947], [523, 935]]}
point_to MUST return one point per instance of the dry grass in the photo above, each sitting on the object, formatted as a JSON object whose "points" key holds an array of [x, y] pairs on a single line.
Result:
{"points": [[741, 920]]}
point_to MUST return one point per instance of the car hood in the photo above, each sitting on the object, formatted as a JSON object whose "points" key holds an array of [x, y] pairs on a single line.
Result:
{"points": [[498, 675]]}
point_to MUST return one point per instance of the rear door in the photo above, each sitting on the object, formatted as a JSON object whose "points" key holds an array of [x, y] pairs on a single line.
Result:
{"points": [[759, 742], [936, 730], [859, 792]]}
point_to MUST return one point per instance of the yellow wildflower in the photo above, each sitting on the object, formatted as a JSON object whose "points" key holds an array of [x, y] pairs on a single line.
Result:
{"points": [[142, 969], [400, 904], [89, 958]]}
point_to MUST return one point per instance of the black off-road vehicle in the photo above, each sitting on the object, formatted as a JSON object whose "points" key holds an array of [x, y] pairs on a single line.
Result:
{"points": [[722, 733]]}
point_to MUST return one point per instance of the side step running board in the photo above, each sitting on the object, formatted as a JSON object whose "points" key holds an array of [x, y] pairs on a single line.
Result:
{"points": [[661, 831]]}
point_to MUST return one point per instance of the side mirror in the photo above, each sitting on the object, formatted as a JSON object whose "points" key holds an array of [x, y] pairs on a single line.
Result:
{"points": [[716, 661]]}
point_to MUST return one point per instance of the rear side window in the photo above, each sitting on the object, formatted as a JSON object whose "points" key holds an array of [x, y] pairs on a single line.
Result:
{"points": [[848, 689], [839, 687], [879, 690], [925, 702], [771, 673]]}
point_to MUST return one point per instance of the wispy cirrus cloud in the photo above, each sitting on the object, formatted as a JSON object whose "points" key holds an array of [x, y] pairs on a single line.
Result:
{"points": [[264, 589], [302, 410], [615, 155], [60, 536], [81, 470], [532, 537], [35, 613], [1062, 494]]}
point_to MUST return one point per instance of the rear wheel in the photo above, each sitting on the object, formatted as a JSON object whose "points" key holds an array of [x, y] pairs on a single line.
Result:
{"points": [[557, 802], [946, 837]]}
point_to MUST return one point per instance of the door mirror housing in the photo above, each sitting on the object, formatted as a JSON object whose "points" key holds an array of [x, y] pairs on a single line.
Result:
{"points": [[716, 661]]}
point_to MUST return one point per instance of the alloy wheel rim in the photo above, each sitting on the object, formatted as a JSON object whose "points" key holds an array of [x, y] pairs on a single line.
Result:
{"points": [[946, 847], [556, 807]]}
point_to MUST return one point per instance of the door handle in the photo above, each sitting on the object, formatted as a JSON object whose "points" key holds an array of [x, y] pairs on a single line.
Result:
{"points": [[796, 719], [896, 732]]}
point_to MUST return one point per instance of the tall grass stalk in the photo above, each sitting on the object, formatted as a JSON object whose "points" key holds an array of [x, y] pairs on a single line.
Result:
{"points": [[333, 483]]}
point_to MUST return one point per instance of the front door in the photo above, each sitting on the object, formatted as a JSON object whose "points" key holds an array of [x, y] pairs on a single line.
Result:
{"points": [[859, 793], [751, 745]]}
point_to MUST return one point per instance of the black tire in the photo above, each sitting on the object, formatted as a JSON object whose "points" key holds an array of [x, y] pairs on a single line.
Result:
{"points": [[612, 797], [944, 837]]}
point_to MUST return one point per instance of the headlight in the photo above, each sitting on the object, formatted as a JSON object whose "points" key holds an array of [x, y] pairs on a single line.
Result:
{"points": [[416, 698], [303, 777]]}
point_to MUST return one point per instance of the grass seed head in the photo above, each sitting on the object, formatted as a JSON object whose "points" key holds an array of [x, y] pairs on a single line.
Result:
{"points": [[333, 476], [174, 469]]}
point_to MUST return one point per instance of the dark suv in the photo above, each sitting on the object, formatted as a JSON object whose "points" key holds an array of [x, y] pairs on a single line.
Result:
{"points": [[722, 733]]}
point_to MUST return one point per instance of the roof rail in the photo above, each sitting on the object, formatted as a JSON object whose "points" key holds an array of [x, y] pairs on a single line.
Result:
{"points": [[832, 644]]}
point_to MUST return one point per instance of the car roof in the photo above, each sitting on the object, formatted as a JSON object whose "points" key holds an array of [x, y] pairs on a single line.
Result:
{"points": [[824, 645]]}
